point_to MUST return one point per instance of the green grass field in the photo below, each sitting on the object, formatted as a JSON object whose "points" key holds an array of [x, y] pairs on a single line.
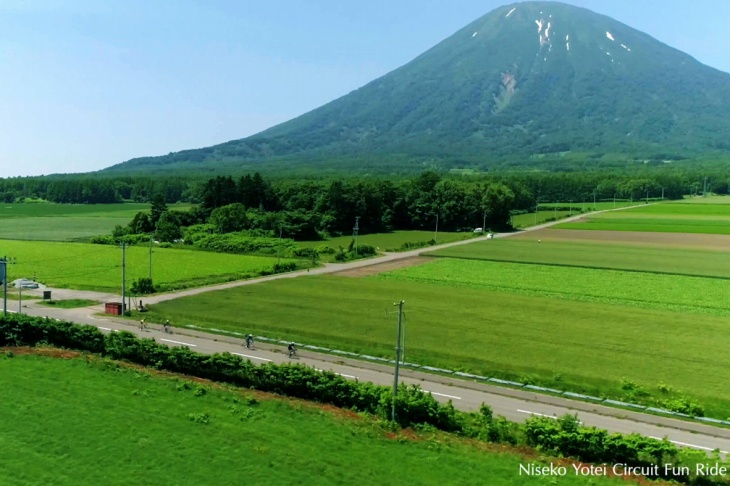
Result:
{"points": [[672, 217], [622, 288], [532, 219], [389, 241], [684, 261], [98, 267], [85, 421], [567, 342], [588, 205], [67, 222]]}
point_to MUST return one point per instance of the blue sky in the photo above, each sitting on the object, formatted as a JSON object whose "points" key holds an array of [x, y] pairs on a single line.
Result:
{"points": [[86, 84]]}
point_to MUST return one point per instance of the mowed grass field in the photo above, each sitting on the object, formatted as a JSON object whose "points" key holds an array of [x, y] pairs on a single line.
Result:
{"points": [[688, 216], [67, 222], [596, 254], [99, 267], [90, 422], [389, 241], [483, 318]]}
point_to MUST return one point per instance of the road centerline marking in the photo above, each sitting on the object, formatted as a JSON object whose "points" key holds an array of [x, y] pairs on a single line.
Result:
{"points": [[178, 342], [537, 413], [443, 395], [252, 357]]}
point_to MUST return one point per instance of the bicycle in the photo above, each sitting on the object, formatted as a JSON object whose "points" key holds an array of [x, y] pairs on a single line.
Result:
{"points": [[293, 353], [167, 329], [249, 343]]}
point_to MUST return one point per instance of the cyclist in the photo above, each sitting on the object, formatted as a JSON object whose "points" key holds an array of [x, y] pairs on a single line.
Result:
{"points": [[249, 341], [166, 328], [142, 325], [292, 349]]}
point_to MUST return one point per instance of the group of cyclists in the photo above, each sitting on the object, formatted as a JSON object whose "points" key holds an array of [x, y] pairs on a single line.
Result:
{"points": [[291, 347], [166, 327]]}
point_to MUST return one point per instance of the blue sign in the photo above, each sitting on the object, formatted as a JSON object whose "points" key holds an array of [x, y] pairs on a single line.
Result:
{"points": [[2, 270]]}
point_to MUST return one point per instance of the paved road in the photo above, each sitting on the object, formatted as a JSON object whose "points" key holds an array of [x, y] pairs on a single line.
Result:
{"points": [[516, 405], [513, 404]]}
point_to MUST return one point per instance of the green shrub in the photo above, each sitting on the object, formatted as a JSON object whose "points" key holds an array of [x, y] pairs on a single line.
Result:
{"points": [[143, 286]]}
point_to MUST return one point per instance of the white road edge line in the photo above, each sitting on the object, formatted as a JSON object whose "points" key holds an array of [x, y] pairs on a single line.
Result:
{"points": [[104, 328], [178, 342], [694, 446], [443, 395], [249, 356]]}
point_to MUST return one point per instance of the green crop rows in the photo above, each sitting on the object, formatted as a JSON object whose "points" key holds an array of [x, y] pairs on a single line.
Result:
{"points": [[678, 217], [632, 289], [645, 258]]}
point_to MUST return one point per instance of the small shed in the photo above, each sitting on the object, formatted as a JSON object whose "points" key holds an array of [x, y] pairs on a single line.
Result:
{"points": [[114, 308]]}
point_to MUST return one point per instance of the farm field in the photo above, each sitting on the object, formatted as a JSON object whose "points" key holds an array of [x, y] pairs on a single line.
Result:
{"points": [[557, 248], [589, 206], [532, 219], [578, 345], [67, 222], [99, 267], [388, 241], [95, 422], [671, 217], [625, 288]]}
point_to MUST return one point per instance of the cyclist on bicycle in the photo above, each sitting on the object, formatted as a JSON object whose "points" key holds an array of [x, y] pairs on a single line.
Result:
{"points": [[292, 349], [142, 325], [167, 326], [249, 341]]}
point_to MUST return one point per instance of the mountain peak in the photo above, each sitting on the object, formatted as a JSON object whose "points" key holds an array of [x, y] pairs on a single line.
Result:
{"points": [[523, 80]]}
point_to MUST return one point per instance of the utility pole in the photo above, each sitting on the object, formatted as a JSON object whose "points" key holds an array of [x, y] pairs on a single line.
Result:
{"points": [[397, 355], [662, 194], [278, 247], [355, 231], [4, 277], [570, 208], [647, 196], [435, 234], [484, 222], [704, 188], [124, 278], [151, 237], [594, 200]]}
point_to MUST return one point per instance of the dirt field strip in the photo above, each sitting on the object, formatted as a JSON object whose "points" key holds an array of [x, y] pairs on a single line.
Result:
{"points": [[383, 267], [671, 240]]}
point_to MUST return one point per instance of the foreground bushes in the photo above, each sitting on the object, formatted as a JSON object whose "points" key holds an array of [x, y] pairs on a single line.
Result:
{"points": [[413, 407]]}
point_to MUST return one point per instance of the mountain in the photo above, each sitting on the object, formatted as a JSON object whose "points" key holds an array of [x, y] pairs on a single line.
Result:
{"points": [[526, 81]]}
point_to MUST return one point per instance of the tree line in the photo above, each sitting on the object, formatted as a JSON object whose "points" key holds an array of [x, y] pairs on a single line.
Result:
{"points": [[306, 208]]}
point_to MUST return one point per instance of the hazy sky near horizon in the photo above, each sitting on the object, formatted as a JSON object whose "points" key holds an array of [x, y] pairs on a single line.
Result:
{"points": [[86, 84]]}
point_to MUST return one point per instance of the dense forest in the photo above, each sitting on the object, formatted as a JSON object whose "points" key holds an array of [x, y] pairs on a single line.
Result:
{"points": [[317, 207]]}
